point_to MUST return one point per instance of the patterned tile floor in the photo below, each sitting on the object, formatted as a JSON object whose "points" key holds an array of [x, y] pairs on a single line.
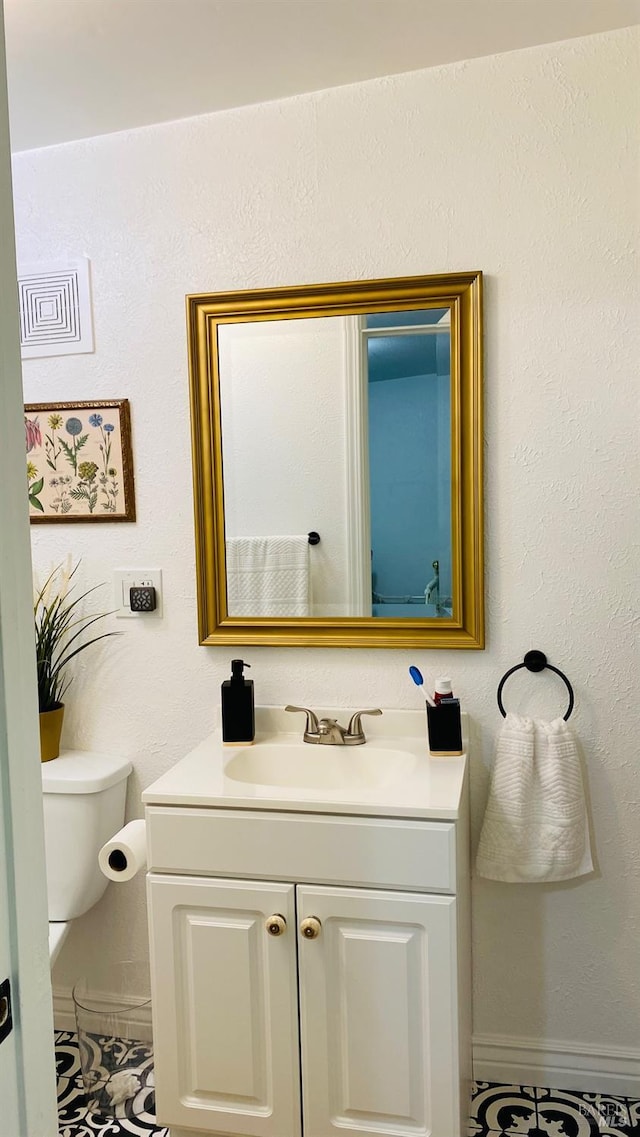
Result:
{"points": [[496, 1111], [134, 1117], [507, 1111]]}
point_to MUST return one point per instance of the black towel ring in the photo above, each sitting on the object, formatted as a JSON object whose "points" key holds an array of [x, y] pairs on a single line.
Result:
{"points": [[535, 661], [313, 537]]}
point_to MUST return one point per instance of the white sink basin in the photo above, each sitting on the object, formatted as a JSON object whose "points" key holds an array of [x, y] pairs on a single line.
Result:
{"points": [[305, 766], [392, 775]]}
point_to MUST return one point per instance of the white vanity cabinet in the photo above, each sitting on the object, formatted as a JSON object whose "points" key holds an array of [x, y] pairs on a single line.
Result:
{"points": [[310, 971]]}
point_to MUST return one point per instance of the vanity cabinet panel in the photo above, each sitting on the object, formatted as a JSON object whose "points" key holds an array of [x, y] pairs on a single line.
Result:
{"points": [[378, 1013], [225, 1006], [377, 852]]}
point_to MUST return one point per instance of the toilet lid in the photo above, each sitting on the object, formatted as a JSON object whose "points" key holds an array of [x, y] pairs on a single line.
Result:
{"points": [[83, 772]]}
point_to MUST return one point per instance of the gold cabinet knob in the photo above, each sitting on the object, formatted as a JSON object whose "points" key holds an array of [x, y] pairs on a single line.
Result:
{"points": [[276, 925], [310, 928]]}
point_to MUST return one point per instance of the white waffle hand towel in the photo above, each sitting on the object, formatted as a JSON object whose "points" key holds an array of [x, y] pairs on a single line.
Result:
{"points": [[268, 576], [535, 826]]}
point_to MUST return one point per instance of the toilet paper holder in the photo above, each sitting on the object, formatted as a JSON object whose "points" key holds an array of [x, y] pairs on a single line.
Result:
{"points": [[117, 860]]}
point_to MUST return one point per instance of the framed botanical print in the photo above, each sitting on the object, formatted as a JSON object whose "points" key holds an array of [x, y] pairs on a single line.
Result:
{"points": [[79, 461]]}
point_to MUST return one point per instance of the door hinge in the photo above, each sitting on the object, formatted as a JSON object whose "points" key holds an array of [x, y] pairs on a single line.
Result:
{"points": [[6, 1021]]}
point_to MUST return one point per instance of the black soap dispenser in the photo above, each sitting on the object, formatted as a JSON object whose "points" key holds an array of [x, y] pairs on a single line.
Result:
{"points": [[238, 712]]}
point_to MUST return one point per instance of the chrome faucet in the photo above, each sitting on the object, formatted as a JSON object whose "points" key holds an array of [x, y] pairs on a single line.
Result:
{"points": [[433, 586], [432, 591], [328, 732]]}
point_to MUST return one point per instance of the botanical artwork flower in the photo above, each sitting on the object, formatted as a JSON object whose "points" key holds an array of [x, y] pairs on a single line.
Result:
{"points": [[73, 427], [85, 489], [53, 448], [33, 435], [60, 502], [109, 484], [106, 441], [34, 486], [75, 462], [87, 471]]}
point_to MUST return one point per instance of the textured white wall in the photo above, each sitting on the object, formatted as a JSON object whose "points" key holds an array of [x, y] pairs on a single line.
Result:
{"points": [[524, 165]]}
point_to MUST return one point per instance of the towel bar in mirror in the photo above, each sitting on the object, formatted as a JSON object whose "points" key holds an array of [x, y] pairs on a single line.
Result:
{"points": [[355, 408]]}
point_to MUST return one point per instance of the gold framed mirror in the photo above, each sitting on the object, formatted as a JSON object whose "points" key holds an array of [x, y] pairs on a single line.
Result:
{"points": [[337, 463]]}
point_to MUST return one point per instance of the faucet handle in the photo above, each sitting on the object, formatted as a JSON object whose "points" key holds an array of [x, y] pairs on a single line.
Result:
{"points": [[355, 733], [312, 726]]}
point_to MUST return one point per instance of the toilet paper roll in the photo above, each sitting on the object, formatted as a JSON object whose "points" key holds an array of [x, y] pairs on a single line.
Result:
{"points": [[126, 853]]}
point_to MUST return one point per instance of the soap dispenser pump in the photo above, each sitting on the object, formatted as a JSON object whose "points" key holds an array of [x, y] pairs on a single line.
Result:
{"points": [[238, 712]]}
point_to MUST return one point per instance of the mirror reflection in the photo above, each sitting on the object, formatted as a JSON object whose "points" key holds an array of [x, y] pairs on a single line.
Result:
{"points": [[348, 420], [408, 361], [350, 411]]}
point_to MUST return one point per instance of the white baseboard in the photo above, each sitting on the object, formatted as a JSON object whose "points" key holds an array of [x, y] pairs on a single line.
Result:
{"points": [[509, 1061], [63, 1012], [557, 1065], [64, 1017]]}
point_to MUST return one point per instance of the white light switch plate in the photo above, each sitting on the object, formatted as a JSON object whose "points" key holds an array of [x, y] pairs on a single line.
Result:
{"points": [[126, 578]]}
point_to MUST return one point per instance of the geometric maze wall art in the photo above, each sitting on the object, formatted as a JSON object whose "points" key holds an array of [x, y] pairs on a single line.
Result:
{"points": [[55, 308]]}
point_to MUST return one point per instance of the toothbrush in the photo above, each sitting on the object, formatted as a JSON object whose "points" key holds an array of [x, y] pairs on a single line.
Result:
{"points": [[416, 675]]}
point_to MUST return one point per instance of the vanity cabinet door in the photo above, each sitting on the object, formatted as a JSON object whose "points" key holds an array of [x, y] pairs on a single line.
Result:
{"points": [[378, 1013], [224, 990]]}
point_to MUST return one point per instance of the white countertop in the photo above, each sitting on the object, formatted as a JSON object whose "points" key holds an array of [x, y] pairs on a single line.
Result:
{"points": [[432, 789]]}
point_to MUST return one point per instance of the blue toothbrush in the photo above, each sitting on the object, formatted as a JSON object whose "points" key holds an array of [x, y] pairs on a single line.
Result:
{"points": [[416, 675]]}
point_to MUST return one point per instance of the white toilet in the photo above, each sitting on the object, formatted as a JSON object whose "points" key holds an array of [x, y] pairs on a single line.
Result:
{"points": [[84, 802]]}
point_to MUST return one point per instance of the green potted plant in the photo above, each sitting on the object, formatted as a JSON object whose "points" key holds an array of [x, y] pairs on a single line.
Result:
{"points": [[59, 625]]}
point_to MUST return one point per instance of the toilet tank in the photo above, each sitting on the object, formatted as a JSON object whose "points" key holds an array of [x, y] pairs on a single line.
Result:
{"points": [[84, 801]]}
